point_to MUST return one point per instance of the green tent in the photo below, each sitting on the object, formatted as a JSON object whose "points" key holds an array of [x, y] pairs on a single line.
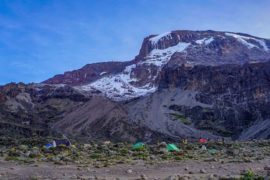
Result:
{"points": [[212, 151], [138, 146], [172, 147]]}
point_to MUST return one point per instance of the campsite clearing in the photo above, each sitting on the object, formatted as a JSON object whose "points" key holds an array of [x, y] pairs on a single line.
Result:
{"points": [[29, 159]]}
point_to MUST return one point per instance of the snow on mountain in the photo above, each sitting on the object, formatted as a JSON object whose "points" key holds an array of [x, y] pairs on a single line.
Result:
{"points": [[246, 41], [200, 41], [154, 40], [205, 41], [119, 87], [123, 81], [209, 40], [160, 57], [102, 73]]}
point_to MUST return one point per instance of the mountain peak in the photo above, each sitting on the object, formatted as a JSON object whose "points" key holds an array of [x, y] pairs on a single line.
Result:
{"points": [[125, 80], [201, 38]]}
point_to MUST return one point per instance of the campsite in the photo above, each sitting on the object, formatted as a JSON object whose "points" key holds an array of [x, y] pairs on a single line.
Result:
{"points": [[134, 90], [140, 160]]}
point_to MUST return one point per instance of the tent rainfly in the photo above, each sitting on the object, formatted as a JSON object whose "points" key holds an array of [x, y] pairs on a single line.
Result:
{"points": [[202, 140], [138, 146], [172, 147], [61, 142]]}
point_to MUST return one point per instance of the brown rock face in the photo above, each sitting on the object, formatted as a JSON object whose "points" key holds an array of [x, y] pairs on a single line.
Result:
{"points": [[88, 73], [12, 89]]}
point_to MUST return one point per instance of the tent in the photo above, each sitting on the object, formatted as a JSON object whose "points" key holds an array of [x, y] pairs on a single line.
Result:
{"points": [[212, 151], [203, 141], [172, 147], [61, 142], [138, 146], [49, 145]]}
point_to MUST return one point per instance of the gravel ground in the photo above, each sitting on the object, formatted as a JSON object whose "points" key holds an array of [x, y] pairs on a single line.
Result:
{"points": [[189, 169]]}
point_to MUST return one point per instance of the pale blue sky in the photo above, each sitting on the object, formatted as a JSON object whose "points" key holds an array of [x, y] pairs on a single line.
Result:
{"points": [[41, 38]]}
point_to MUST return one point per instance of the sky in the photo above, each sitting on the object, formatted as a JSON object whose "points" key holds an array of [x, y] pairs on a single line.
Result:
{"points": [[42, 38]]}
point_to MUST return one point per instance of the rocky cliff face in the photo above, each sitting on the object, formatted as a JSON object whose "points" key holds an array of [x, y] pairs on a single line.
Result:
{"points": [[237, 96], [182, 84]]}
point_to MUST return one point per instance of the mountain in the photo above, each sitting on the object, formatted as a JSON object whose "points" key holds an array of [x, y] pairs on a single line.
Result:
{"points": [[181, 84], [127, 80]]}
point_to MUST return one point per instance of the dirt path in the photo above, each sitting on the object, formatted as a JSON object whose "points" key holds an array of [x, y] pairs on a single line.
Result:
{"points": [[191, 169]]}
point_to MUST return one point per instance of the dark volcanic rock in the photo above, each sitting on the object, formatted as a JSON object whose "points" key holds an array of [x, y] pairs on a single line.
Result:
{"points": [[238, 95], [31, 109]]}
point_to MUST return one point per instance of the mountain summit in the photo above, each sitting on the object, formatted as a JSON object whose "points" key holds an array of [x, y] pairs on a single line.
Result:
{"points": [[127, 80]]}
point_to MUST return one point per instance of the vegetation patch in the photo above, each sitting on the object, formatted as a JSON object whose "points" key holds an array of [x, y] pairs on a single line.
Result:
{"points": [[250, 175]]}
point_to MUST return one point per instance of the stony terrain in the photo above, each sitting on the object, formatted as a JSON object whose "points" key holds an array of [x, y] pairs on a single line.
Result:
{"points": [[140, 171], [27, 159]]}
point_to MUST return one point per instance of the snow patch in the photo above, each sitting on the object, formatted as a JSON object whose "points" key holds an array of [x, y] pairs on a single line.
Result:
{"points": [[156, 39], [160, 57], [102, 73], [243, 40], [262, 43], [209, 40], [200, 41], [119, 87], [205, 41]]}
